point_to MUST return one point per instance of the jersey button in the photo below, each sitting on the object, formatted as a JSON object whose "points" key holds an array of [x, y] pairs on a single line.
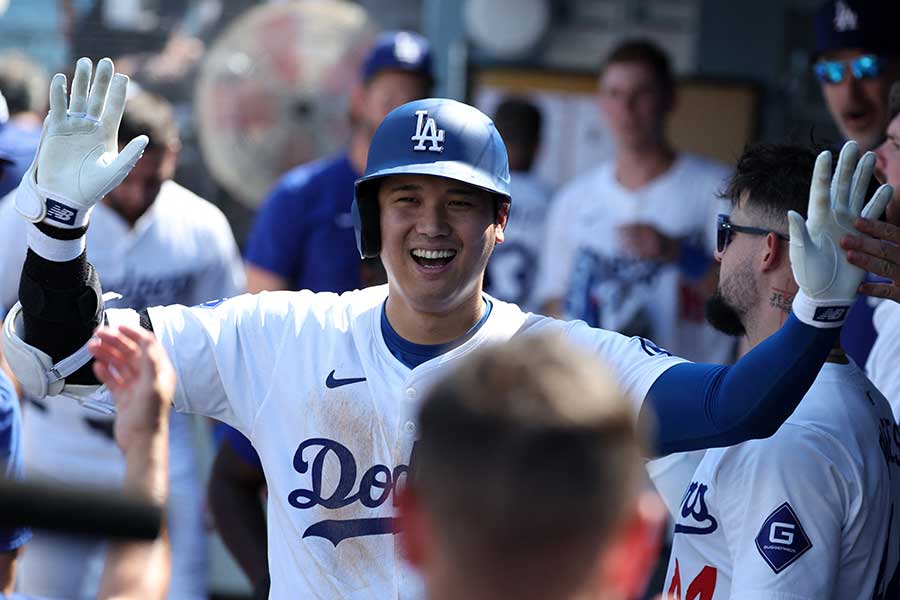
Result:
{"points": [[409, 427], [410, 393]]}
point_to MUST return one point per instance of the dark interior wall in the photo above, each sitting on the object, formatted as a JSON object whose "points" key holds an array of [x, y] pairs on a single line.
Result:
{"points": [[768, 42]]}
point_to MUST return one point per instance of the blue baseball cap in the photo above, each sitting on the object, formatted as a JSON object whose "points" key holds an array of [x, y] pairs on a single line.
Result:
{"points": [[868, 25], [399, 51]]}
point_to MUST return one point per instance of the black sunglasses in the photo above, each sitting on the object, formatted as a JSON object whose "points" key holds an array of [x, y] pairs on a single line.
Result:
{"points": [[724, 229]]}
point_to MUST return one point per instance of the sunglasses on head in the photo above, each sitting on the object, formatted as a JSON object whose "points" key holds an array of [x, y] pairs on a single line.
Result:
{"points": [[725, 229], [832, 72]]}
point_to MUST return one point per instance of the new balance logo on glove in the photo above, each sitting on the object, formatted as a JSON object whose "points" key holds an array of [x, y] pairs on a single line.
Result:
{"points": [[60, 212], [830, 314]]}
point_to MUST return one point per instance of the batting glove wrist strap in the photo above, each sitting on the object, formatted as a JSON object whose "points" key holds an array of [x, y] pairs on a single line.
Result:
{"points": [[36, 204], [825, 314]]}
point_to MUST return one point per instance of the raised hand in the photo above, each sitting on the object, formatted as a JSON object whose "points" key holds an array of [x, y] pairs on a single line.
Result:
{"points": [[877, 251], [78, 159], [828, 282], [136, 370]]}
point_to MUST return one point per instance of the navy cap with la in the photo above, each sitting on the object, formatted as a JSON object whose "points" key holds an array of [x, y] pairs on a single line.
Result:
{"points": [[867, 25], [399, 51]]}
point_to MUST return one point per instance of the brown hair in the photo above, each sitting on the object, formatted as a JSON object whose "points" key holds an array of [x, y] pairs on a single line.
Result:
{"points": [[647, 53], [527, 459], [150, 115]]}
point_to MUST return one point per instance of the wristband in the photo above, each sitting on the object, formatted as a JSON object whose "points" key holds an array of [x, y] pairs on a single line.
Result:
{"points": [[824, 314], [52, 248]]}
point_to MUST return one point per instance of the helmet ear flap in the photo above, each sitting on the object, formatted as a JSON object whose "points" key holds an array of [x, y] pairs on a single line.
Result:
{"points": [[366, 218]]}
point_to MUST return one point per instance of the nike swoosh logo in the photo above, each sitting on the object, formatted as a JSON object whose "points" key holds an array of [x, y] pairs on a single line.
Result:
{"points": [[332, 382]]}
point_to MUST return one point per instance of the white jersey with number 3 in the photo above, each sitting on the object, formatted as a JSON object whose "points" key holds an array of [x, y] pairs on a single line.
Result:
{"points": [[309, 379], [810, 513]]}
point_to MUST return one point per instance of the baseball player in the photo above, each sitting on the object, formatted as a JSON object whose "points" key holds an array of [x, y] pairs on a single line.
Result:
{"points": [[326, 386], [810, 512], [881, 365], [153, 242], [628, 244], [513, 267], [302, 237], [856, 59], [536, 418]]}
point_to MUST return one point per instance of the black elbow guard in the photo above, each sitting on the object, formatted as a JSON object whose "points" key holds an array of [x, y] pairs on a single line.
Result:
{"points": [[61, 307]]}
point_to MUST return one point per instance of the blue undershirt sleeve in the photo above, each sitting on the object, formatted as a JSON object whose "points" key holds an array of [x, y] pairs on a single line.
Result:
{"points": [[693, 406]]}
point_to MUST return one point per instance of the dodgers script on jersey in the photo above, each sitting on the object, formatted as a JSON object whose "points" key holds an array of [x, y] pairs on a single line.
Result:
{"points": [[812, 512], [309, 380]]}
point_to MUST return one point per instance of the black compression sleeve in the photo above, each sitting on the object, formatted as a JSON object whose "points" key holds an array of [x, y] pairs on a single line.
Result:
{"points": [[61, 307]]}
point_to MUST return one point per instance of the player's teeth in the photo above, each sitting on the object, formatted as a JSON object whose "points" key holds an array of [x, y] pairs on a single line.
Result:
{"points": [[433, 253]]}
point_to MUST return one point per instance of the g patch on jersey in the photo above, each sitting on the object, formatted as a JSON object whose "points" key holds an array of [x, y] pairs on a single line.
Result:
{"points": [[781, 539]]}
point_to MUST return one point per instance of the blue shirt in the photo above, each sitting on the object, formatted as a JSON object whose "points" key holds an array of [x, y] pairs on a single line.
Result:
{"points": [[19, 144], [11, 460], [304, 229]]}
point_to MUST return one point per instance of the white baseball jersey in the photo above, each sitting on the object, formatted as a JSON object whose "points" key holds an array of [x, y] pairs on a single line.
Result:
{"points": [[585, 264], [309, 379], [180, 250], [883, 364], [811, 513], [512, 269]]}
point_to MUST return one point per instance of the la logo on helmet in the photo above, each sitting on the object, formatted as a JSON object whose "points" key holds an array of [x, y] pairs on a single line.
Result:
{"points": [[427, 131]]}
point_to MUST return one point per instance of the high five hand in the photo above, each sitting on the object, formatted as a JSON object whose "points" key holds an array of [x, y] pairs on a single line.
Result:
{"points": [[828, 282], [78, 159]]}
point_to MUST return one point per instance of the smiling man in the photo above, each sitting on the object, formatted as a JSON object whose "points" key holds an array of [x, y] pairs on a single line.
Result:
{"points": [[327, 386], [857, 57]]}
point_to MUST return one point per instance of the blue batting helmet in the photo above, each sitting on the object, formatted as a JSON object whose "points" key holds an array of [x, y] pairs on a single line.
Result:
{"points": [[434, 136]]}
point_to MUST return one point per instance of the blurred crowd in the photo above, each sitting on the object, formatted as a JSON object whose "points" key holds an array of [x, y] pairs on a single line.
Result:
{"points": [[633, 245]]}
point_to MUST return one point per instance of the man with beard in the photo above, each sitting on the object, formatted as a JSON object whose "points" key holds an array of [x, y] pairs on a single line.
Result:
{"points": [[310, 378], [801, 513]]}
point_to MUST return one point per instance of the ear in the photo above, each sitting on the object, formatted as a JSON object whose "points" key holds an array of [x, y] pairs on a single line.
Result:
{"points": [[357, 102], [632, 553], [502, 220], [412, 528], [170, 159], [775, 254]]}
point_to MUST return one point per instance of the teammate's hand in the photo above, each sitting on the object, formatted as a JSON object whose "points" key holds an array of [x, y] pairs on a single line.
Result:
{"points": [[876, 251], [136, 370], [78, 159], [828, 282], [647, 243]]}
